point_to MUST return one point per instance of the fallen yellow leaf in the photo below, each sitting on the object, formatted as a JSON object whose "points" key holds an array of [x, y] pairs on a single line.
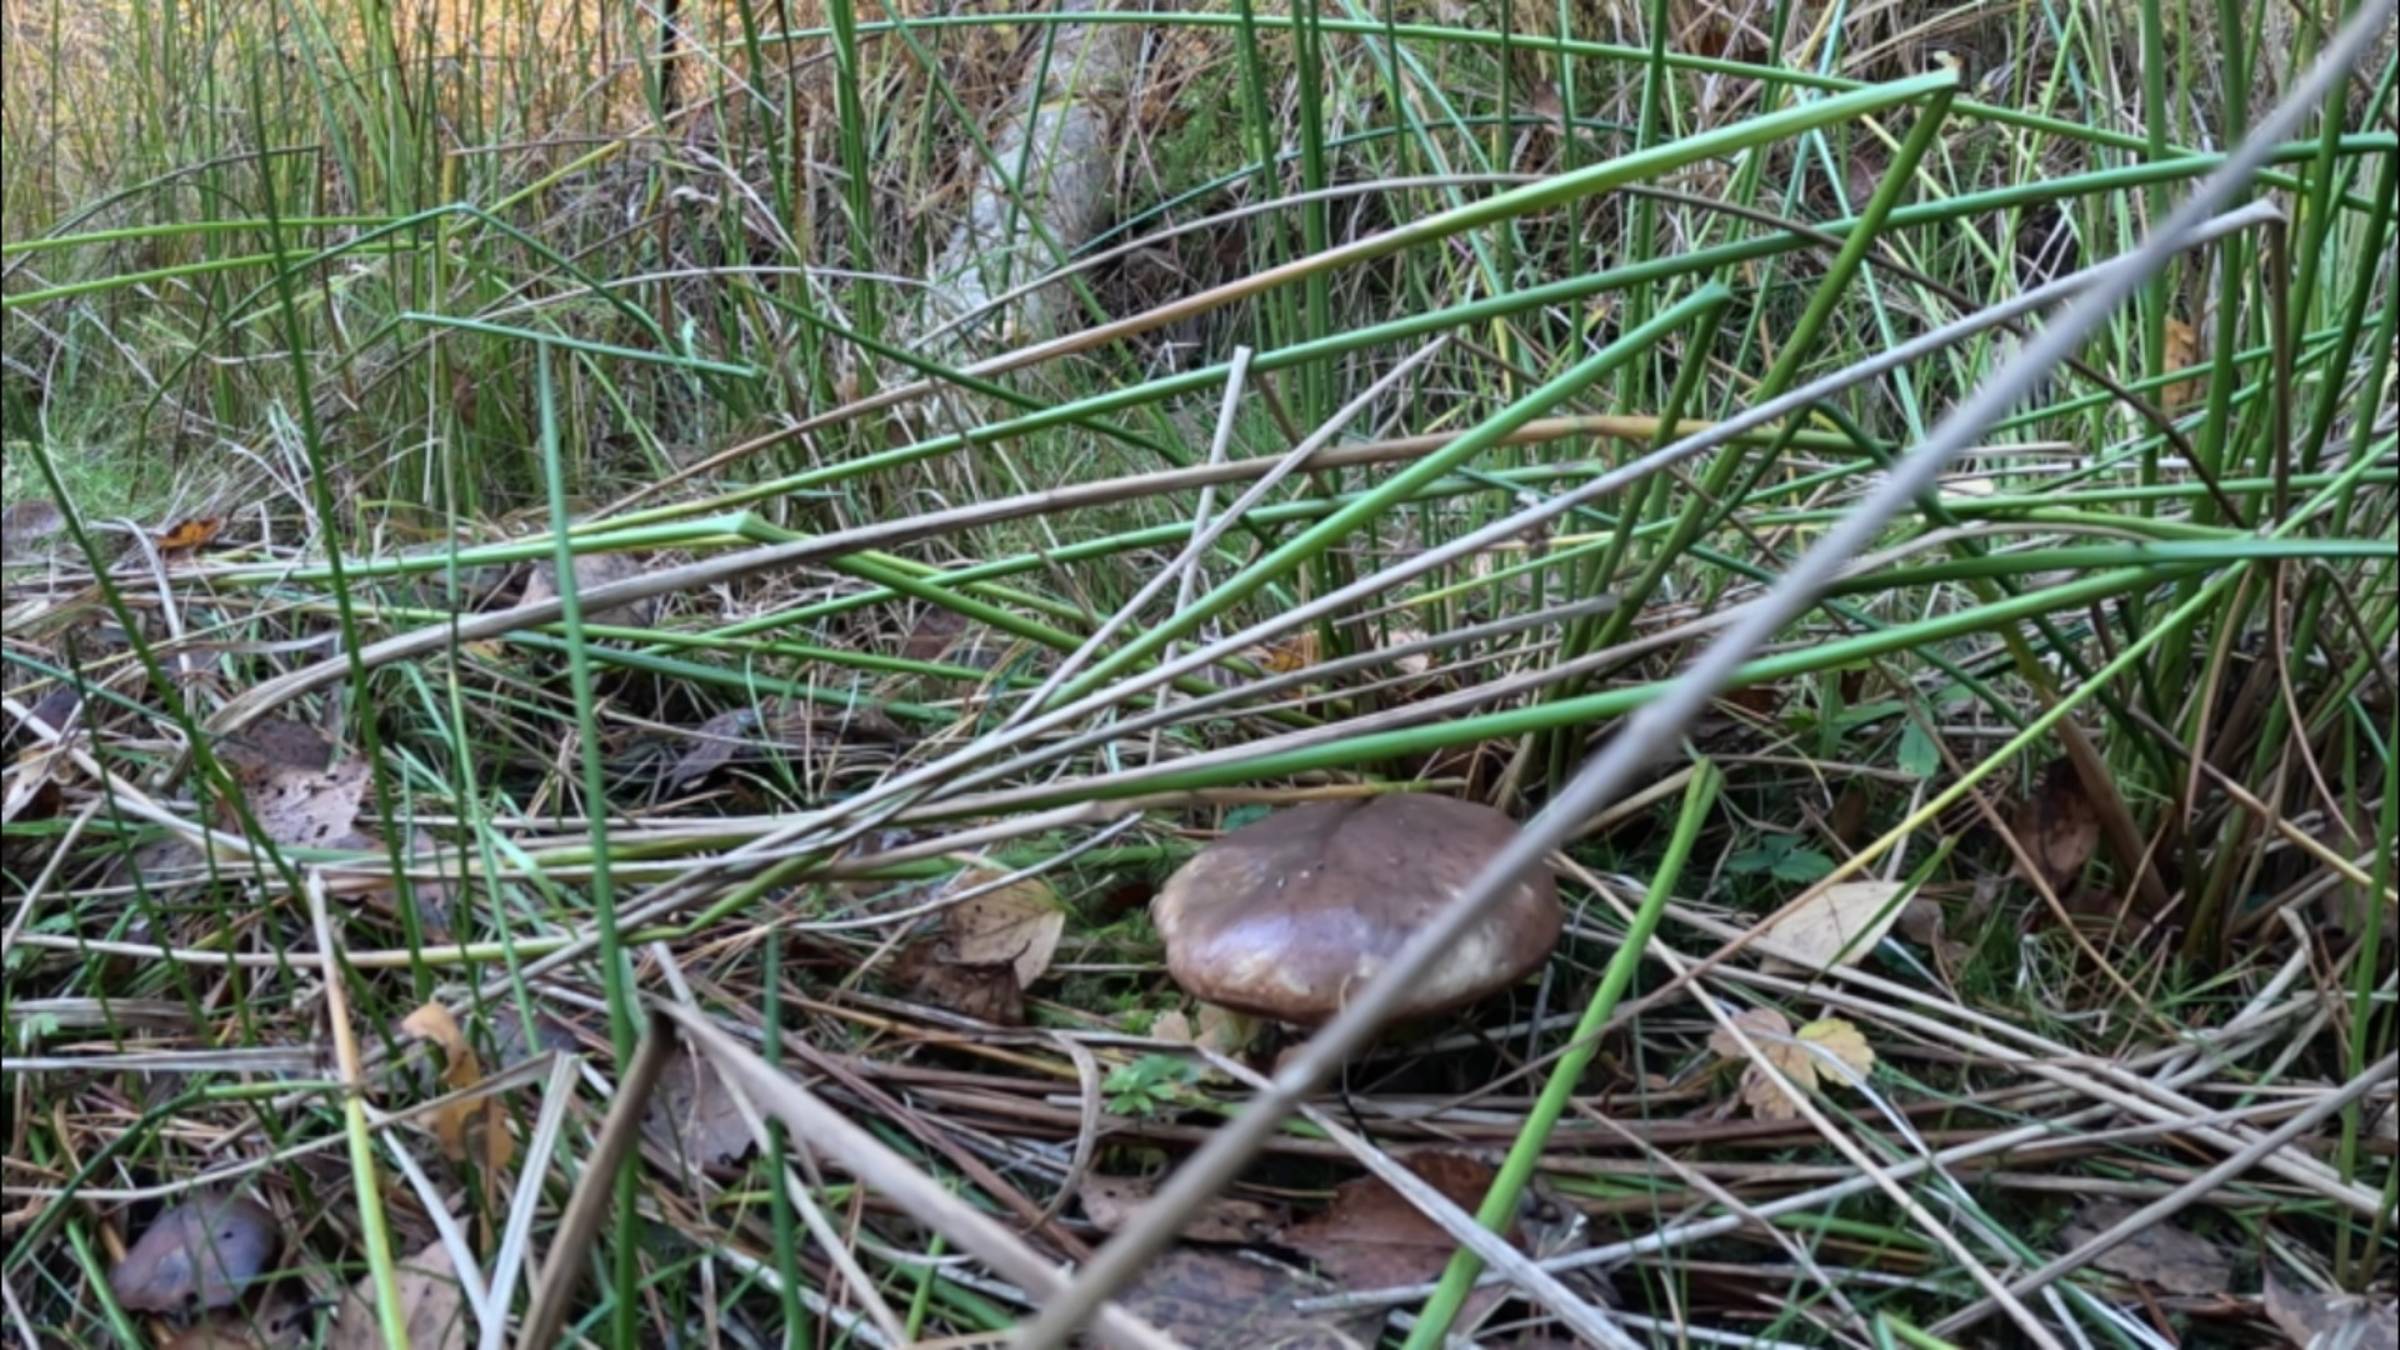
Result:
{"points": [[1835, 927], [461, 1070], [1827, 1050], [1771, 1032], [1845, 1043]]}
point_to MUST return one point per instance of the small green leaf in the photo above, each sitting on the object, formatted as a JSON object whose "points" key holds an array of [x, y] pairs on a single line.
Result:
{"points": [[1855, 715], [1919, 758], [1750, 861], [1781, 857], [1243, 815], [1150, 1084], [1802, 864]]}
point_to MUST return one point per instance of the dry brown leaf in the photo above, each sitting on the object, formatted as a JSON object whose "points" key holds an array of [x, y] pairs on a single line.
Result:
{"points": [[29, 522], [1765, 1097], [2316, 1321], [274, 743], [2058, 826], [1216, 1028], [987, 992], [1417, 664], [2182, 351], [461, 1069], [1297, 652], [57, 707], [1210, 1300], [200, 1254], [436, 901], [313, 808], [276, 1324], [1372, 1236], [1836, 926], [1922, 922], [1829, 1049], [1543, 101], [593, 570], [1111, 1202], [1863, 170], [1020, 923], [693, 1115], [1771, 1032], [511, 1043], [1759, 699], [194, 532], [778, 726], [2161, 1254], [433, 1306], [1847, 821], [935, 631], [714, 744], [34, 793], [1766, 1027]]}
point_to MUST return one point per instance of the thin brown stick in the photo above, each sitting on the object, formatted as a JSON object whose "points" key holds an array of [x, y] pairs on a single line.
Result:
{"points": [[594, 1190]]}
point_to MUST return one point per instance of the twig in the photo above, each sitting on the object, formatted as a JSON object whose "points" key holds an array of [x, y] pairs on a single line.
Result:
{"points": [[595, 1190]]}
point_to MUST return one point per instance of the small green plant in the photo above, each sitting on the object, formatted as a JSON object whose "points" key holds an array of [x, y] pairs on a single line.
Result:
{"points": [[1152, 1086], [1780, 856]]}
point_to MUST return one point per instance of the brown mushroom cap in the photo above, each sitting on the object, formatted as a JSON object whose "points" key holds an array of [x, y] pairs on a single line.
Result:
{"points": [[1289, 915]]}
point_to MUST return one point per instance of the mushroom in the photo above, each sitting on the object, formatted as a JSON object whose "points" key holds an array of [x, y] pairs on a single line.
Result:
{"points": [[1287, 916]]}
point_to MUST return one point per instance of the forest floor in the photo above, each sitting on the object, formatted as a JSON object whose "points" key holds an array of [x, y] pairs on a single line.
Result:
{"points": [[624, 623]]}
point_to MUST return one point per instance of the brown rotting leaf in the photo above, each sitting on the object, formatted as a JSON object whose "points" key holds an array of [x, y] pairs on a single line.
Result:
{"points": [[934, 633], [432, 1307], [1372, 1236], [272, 743], [277, 1323], [1212, 1028], [2320, 1321], [1019, 924], [987, 991], [693, 1115], [313, 808], [2173, 1259], [1112, 1202], [2058, 826], [592, 571], [1846, 1057], [1922, 922], [29, 522], [714, 744], [1209, 1300]]}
